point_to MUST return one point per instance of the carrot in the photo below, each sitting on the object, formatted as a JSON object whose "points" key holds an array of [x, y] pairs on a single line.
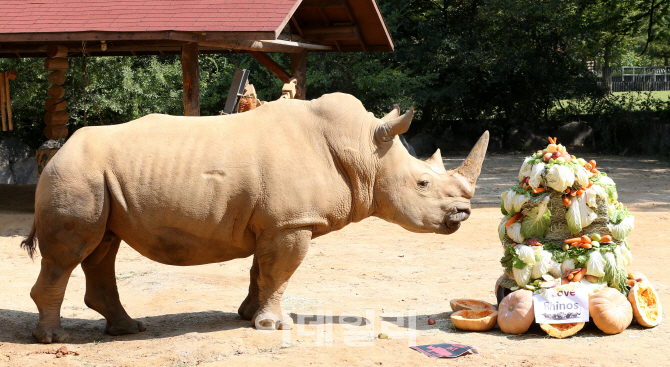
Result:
{"points": [[580, 192], [566, 201], [588, 166], [586, 239], [552, 141], [592, 162], [567, 191], [606, 239], [527, 187], [521, 184], [579, 275], [585, 245], [571, 276], [573, 240], [513, 219], [539, 190], [590, 184], [573, 193]]}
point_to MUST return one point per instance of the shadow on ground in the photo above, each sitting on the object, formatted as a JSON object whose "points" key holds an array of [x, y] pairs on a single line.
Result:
{"points": [[17, 326]]}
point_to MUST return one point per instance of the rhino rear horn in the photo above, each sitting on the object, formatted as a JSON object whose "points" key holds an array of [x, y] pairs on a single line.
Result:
{"points": [[472, 165], [389, 129], [395, 112]]}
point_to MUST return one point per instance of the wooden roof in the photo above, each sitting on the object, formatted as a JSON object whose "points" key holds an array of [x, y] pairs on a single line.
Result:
{"points": [[162, 26]]}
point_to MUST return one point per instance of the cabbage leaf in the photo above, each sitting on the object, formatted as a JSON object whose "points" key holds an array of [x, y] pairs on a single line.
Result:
{"points": [[560, 177], [514, 232], [622, 230], [573, 217], [538, 220], [526, 169], [587, 215], [535, 180], [596, 264], [501, 228], [522, 276], [526, 254]]}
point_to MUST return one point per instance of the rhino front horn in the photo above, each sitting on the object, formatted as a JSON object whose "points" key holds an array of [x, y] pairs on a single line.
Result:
{"points": [[399, 125], [472, 165]]}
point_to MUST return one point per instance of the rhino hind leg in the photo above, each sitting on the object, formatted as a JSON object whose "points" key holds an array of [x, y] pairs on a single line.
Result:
{"points": [[251, 304], [102, 294], [48, 293], [278, 257]]}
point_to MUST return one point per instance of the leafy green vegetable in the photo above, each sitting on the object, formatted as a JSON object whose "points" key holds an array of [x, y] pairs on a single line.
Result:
{"points": [[518, 263], [537, 222], [502, 208], [573, 217], [620, 212], [607, 184], [580, 255]]}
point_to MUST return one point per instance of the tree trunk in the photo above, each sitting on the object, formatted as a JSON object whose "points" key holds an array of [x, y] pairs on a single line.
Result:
{"points": [[607, 70]]}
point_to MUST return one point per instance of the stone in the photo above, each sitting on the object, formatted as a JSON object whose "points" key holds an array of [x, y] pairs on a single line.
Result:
{"points": [[11, 151], [25, 171], [423, 144], [407, 146]]}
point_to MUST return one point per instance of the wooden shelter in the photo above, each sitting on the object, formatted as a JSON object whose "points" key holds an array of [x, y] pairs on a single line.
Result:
{"points": [[189, 28]]}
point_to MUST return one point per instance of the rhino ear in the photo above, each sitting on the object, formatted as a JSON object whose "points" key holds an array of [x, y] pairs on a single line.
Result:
{"points": [[389, 129], [395, 112], [472, 165], [435, 163]]}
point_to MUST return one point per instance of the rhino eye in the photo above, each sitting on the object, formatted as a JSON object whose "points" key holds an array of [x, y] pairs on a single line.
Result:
{"points": [[423, 183]]}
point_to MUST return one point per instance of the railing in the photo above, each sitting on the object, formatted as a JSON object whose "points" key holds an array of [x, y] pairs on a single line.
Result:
{"points": [[638, 78]]}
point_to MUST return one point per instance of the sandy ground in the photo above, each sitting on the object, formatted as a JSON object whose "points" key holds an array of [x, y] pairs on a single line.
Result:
{"points": [[368, 278]]}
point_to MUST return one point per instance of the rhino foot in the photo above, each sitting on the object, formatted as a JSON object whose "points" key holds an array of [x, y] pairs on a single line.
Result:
{"points": [[248, 309], [48, 335], [269, 321], [125, 326]]}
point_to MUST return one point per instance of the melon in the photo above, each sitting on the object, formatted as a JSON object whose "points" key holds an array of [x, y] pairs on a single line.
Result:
{"points": [[470, 304], [562, 330], [475, 320], [646, 305]]}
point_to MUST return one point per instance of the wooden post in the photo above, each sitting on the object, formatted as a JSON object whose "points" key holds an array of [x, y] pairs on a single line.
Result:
{"points": [[56, 118], [299, 72], [191, 77]]}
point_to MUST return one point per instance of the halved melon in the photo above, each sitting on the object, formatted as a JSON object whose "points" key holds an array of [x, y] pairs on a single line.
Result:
{"points": [[562, 330], [470, 304], [475, 320], [646, 304]]}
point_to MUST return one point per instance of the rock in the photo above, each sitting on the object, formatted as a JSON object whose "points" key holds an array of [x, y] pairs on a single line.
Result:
{"points": [[423, 144], [6, 175], [11, 151], [574, 135], [25, 171], [407, 146], [525, 139]]}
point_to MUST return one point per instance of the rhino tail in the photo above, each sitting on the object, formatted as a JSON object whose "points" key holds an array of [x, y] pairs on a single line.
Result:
{"points": [[30, 243]]}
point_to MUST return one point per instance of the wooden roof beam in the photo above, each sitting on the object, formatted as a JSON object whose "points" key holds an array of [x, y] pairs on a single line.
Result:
{"points": [[271, 65], [312, 4], [332, 33]]}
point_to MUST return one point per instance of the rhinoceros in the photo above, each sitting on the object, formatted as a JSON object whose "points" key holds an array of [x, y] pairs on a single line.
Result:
{"points": [[198, 190]]}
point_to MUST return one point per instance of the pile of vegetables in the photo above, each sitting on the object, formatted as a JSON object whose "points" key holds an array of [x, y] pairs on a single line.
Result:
{"points": [[563, 226]]}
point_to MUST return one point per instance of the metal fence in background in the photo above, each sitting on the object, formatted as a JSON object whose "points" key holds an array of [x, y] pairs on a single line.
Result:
{"points": [[638, 78]]}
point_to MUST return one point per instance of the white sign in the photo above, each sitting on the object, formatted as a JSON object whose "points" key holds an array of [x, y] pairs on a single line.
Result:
{"points": [[562, 307]]}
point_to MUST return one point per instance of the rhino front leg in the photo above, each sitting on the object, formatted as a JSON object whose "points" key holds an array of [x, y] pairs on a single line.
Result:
{"points": [[251, 304], [278, 257], [102, 294]]}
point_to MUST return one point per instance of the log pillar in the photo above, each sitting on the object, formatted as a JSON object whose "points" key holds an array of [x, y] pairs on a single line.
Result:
{"points": [[299, 72], [191, 77], [56, 117]]}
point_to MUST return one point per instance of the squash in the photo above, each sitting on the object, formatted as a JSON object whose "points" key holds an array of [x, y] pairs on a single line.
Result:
{"points": [[516, 313], [475, 320], [636, 276], [611, 311], [646, 304], [562, 330], [470, 304]]}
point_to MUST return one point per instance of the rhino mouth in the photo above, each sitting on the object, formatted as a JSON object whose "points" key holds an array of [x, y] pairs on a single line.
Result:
{"points": [[453, 220]]}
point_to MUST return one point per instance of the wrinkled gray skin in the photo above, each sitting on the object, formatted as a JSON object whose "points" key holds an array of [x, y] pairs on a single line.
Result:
{"points": [[198, 190]]}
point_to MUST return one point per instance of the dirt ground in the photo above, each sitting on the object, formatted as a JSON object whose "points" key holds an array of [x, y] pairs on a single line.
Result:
{"points": [[368, 278]]}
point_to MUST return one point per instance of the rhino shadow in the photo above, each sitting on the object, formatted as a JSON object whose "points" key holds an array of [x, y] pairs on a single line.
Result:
{"points": [[16, 326]]}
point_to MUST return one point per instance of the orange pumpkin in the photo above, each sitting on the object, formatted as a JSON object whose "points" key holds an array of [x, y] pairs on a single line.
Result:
{"points": [[516, 313], [611, 311], [562, 330], [475, 320], [646, 304], [470, 304]]}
